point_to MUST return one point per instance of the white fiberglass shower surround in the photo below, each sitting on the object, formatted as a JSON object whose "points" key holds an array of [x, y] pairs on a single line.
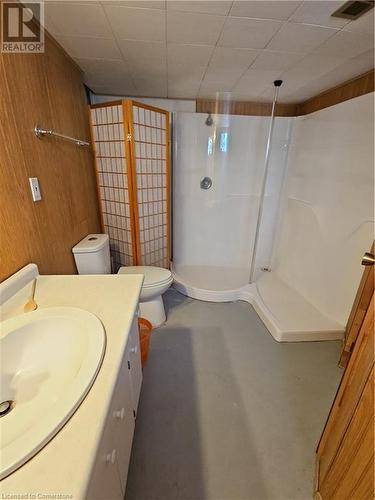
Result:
{"points": [[310, 205], [215, 228]]}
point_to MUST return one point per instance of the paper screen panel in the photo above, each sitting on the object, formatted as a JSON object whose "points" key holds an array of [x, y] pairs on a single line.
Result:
{"points": [[150, 129], [112, 175]]}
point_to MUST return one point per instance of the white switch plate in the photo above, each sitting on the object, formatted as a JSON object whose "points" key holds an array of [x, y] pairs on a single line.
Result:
{"points": [[35, 190]]}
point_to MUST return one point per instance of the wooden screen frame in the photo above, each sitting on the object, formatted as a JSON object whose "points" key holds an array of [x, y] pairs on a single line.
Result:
{"points": [[129, 106], [128, 110], [119, 102], [134, 220], [131, 171]]}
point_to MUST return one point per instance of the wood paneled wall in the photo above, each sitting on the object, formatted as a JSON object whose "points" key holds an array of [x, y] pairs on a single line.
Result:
{"points": [[361, 85], [44, 89], [245, 108]]}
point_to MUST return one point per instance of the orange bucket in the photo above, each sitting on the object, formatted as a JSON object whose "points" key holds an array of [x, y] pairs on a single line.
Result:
{"points": [[145, 329]]}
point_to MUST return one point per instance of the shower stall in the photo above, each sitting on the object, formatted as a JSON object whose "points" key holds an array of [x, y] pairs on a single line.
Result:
{"points": [[259, 205], [221, 238]]}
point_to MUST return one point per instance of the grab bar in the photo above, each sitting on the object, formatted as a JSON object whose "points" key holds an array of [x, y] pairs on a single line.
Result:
{"points": [[40, 132]]}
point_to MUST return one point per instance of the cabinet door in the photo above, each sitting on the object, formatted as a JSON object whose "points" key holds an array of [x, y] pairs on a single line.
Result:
{"points": [[134, 364], [123, 422], [109, 474], [105, 482]]}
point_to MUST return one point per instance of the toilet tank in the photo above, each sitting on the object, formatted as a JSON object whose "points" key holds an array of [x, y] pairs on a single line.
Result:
{"points": [[92, 255]]}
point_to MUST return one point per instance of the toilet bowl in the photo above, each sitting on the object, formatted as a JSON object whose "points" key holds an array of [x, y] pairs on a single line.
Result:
{"points": [[157, 281], [92, 257]]}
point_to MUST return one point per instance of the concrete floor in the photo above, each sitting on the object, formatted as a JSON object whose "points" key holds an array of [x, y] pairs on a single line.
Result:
{"points": [[227, 413]]}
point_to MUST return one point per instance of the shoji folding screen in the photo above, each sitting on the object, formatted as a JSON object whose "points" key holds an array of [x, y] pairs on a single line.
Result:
{"points": [[131, 144]]}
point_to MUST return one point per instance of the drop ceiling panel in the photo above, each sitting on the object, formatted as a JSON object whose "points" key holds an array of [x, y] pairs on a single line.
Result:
{"points": [[78, 19], [189, 55], [154, 69], [312, 67], [143, 52], [265, 77], [248, 33], [224, 78], [364, 24], [276, 60], [300, 37], [280, 9], [189, 86], [103, 72], [102, 69], [136, 24], [210, 91], [182, 93], [191, 27], [255, 82], [247, 96], [319, 13], [346, 44], [187, 49], [339, 74], [190, 92], [153, 4], [114, 89], [178, 73], [85, 47], [232, 59], [149, 87], [210, 7], [192, 81], [368, 57]]}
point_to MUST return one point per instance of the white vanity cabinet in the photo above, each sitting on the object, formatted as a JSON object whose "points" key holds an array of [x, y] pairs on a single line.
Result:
{"points": [[109, 473]]}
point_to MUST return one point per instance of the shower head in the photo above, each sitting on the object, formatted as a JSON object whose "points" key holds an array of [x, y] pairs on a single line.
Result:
{"points": [[209, 121]]}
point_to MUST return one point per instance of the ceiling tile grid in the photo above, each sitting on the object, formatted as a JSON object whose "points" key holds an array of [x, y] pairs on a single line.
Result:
{"points": [[188, 49]]}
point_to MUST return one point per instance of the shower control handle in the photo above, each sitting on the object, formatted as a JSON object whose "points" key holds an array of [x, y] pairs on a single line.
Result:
{"points": [[206, 183]]}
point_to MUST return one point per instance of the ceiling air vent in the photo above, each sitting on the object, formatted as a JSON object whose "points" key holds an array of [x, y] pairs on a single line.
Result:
{"points": [[353, 10]]}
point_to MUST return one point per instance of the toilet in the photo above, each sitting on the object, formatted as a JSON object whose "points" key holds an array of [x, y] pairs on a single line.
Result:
{"points": [[157, 281], [92, 256]]}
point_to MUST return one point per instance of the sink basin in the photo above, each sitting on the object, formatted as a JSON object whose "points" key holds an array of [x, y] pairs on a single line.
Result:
{"points": [[49, 360]]}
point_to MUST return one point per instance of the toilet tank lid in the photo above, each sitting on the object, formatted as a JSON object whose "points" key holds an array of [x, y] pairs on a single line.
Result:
{"points": [[91, 243]]}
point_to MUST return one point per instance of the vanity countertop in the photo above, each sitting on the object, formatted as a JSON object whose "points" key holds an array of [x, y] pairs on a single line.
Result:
{"points": [[62, 468]]}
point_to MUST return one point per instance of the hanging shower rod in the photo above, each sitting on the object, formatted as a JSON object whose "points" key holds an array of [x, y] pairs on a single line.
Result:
{"points": [[40, 132]]}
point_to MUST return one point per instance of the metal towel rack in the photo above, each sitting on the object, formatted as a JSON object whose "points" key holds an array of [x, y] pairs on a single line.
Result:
{"points": [[40, 132]]}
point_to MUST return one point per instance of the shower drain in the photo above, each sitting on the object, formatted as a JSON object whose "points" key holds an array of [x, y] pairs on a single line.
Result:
{"points": [[6, 407]]}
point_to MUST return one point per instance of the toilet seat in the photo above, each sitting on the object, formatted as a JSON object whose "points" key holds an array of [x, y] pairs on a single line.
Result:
{"points": [[154, 276]]}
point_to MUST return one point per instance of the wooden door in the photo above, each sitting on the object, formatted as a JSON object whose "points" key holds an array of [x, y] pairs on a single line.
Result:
{"points": [[345, 454], [358, 312]]}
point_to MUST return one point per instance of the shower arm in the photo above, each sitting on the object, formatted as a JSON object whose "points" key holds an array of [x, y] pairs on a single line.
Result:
{"points": [[277, 84]]}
